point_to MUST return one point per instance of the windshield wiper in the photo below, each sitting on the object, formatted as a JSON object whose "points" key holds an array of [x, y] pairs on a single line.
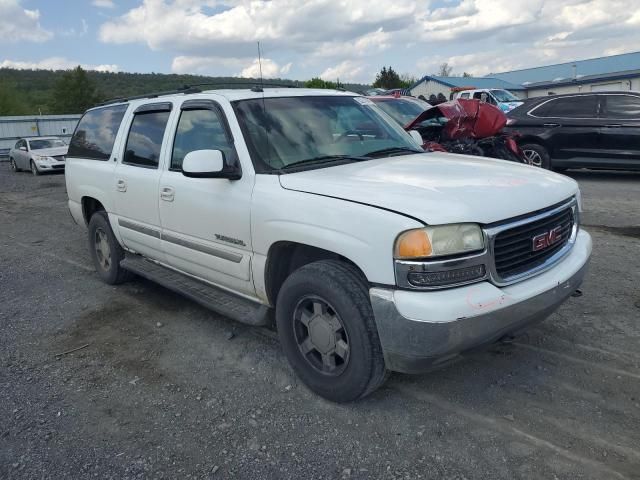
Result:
{"points": [[325, 159], [390, 151]]}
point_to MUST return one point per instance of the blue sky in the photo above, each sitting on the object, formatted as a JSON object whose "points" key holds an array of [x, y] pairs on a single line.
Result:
{"points": [[346, 39]]}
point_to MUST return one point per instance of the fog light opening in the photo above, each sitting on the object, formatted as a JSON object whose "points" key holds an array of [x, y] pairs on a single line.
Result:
{"points": [[446, 277]]}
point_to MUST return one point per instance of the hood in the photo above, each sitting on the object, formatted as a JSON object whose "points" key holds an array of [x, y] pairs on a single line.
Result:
{"points": [[51, 152], [439, 188], [467, 119], [508, 106]]}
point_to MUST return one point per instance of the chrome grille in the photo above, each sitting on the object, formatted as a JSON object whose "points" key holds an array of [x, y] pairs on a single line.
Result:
{"points": [[513, 251]]}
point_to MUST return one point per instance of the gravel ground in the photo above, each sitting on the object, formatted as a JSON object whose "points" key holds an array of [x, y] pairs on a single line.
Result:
{"points": [[166, 389]]}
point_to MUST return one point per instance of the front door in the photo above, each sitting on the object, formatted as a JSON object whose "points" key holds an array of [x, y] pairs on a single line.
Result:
{"points": [[136, 180], [571, 126], [620, 131], [206, 221]]}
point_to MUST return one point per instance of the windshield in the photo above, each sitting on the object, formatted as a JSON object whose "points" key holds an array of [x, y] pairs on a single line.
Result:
{"points": [[46, 143], [402, 110], [504, 96], [284, 131]]}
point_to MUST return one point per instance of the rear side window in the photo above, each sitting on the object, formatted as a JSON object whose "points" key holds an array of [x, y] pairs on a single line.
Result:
{"points": [[199, 130], [464, 95], [96, 133], [568, 107], [145, 139], [623, 107]]}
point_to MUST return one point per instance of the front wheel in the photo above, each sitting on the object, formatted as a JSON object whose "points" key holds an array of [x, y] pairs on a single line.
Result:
{"points": [[328, 333], [34, 169], [105, 250], [536, 155], [14, 167]]}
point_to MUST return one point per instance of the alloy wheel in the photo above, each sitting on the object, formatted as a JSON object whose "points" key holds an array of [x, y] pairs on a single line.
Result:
{"points": [[533, 158], [14, 167], [103, 250], [320, 336]]}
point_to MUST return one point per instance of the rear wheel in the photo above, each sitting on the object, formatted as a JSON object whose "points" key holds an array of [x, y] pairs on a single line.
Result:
{"points": [[34, 169], [105, 250], [536, 155], [328, 333]]}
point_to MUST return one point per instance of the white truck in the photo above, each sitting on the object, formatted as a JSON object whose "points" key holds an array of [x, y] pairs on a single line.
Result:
{"points": [[312, 211], [503, 99]]}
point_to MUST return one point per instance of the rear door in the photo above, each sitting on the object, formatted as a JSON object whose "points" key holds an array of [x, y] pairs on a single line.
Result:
{"points": [[571, 127], [621, 130], [137, 177], [206, 222]]}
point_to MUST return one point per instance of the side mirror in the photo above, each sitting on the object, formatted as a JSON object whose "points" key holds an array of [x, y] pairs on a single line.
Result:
{"points": [[24, 149], [208, 164], [416, 137]]}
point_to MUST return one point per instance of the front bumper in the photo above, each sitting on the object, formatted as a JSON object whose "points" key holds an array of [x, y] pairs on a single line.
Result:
{"points": [[418, 330], [50, 166]]}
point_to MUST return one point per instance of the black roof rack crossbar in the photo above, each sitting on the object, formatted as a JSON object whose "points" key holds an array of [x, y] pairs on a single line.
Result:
{"points": [[185, 89]]}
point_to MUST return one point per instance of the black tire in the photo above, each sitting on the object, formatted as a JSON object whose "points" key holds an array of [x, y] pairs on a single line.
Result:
{"points": [[34, 169], [109, 271], [346, 294], [14, 167], [536, 155]]}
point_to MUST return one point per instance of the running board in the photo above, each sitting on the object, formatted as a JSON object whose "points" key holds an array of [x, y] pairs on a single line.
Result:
{"points": [[213, 298]]}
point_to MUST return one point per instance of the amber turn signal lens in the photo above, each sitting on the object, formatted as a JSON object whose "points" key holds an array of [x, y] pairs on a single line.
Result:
{"points": [[413, 244]]}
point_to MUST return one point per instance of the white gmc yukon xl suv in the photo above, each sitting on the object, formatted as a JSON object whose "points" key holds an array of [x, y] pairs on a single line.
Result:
{"points": [[314, 210]]}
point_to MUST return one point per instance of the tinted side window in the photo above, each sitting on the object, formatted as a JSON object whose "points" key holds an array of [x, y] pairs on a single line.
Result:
{"points": [[569, 107], [199, 130], [464, 95], [623, 106], [96, 133], [145, 139]]}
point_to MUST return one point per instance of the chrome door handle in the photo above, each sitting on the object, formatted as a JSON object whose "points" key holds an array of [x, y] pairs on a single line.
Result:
{"points": [[550, 125], [613, 126], [121, 186], [167, 194]]}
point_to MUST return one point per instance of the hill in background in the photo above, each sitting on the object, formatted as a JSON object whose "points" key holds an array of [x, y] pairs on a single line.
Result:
{"points": [[28, 92]]}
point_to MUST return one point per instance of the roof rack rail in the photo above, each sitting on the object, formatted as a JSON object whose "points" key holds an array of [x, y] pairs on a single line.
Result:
{"points": [[184, 89], [255, 86]]}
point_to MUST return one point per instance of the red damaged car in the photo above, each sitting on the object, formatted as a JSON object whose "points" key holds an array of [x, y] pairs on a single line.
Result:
{"points": [[467, 127]]}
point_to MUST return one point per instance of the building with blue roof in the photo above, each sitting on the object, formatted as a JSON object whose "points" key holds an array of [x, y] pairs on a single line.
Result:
{"points": [[615, 72], [434, 85]]}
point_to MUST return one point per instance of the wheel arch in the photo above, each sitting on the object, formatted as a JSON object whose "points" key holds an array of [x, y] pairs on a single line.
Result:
{"points": [[285, 257], [90, 205]]}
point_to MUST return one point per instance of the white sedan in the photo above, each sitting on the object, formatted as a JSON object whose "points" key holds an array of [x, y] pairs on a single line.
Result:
{"points": [[38, 154]]}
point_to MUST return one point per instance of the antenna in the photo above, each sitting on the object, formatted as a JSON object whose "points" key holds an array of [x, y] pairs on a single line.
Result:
{"points": [[261, 88]]}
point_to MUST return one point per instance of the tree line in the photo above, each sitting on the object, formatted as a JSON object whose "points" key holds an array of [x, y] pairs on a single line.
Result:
{"points": [[29, 92]]}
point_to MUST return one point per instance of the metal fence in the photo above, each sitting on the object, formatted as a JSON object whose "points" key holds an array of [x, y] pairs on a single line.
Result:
{"points": [[14, 128]]}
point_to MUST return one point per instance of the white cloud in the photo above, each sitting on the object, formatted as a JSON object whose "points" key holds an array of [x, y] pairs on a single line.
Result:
{"points": [[353, 39], [18, 24], [242, 67], [55, 63], [103, 3], [346, 71], [299, 26], [270, 69]]}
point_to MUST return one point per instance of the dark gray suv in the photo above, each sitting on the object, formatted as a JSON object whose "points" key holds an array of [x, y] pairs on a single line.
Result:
{"points": [[581, 130]]}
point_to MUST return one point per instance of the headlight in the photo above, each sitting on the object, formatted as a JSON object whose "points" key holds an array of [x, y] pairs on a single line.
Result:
{"points": [[42, 159], [579, 200], [439, 241]]}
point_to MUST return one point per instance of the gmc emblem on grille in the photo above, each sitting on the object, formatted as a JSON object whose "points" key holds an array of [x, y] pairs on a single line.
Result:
{"points": [[547, 239]]}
